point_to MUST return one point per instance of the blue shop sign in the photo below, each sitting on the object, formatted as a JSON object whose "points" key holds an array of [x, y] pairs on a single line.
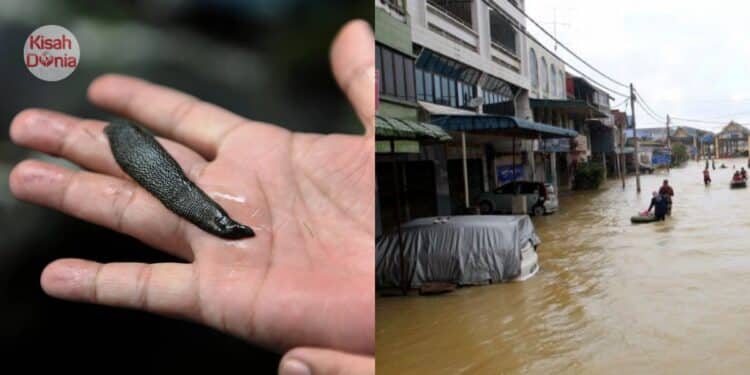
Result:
{"points": [[505, 173], [661, 159]]}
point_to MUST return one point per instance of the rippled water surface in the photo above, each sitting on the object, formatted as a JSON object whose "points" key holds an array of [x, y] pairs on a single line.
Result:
{"points": [[611, 297]]}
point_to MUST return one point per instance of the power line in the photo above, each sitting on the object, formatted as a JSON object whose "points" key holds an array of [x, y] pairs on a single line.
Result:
{"points": [[650, 111], [701, 121], [524, 32], [625, 102], [565, 47], [646, 108], [653, 117], [645, 103]]}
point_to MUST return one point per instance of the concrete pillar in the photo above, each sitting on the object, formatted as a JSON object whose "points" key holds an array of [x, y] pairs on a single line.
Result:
{"points": [[484, 172], [604, 163], [716, 147], [532, 164], [442, 186], [553, 165]]}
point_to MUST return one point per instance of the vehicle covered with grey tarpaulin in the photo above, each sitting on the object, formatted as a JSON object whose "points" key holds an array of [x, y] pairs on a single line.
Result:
{"points": [[464, 250]]}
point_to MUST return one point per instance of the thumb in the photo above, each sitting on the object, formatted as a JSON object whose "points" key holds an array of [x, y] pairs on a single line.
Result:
{"points": [[353, 65], [315, 361]]}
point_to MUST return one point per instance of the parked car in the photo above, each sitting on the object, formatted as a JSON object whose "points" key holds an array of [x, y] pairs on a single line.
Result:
{"points": [[459, 250], [645, 168], [541, 198]]}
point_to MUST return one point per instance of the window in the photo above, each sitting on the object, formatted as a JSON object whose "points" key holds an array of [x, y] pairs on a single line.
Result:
{"points": [[389, 86], [460, 9], [534, 69], [460, 97], [437, 88], [447, 91], [428, 92], [545, 81], [398, 65], [396, 74], [553, 80], [498, 97], [379, 68], [509, 188], [502, 31], [397, 5], [444, 81]]}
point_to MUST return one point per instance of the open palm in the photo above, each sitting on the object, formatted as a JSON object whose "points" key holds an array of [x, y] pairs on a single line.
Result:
{"points": [[307, 276]]}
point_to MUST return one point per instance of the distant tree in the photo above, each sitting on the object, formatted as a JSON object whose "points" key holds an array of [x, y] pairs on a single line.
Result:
{"points": [[588, 176], [679, 154]]}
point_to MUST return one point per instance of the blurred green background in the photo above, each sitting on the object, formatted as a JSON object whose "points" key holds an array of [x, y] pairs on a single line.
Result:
{"points": [[263, 59]]}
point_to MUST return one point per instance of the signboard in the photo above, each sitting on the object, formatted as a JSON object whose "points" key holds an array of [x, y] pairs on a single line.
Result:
{"points": [[505, 173], [554, 145], [661, 159]]}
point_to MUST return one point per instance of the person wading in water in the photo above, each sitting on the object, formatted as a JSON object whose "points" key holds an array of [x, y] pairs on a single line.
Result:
{"points": [[659, 204], [706, 177], [667, 193]]}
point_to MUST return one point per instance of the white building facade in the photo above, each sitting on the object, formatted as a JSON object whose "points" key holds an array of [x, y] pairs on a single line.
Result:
{"points": [[480, 37], [546, 73]]}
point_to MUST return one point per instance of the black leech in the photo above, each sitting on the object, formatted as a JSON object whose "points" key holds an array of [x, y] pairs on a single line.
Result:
{"points": [[149, 164]]}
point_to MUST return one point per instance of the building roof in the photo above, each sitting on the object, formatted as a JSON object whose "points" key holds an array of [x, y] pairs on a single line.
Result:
{"points": [[393, 128], [733, 127], [502, 125]]}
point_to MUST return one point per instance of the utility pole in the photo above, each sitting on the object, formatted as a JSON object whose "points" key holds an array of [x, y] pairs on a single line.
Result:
{"points": [[669, 144], [635, 136], [621, 157], [554, 24]]}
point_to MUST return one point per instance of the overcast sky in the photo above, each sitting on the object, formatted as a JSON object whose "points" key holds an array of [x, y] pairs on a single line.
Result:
{"points": [[687, 58]]}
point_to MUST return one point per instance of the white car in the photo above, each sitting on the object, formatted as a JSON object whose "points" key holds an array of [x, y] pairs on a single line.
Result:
{"points": [[541, 198], [458, 250]]}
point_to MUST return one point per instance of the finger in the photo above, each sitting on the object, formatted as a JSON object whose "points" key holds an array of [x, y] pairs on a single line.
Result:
{"points": [[353, 64], [104, 200], [162, 288], [173, 114], [82, 141], [316, 361]]}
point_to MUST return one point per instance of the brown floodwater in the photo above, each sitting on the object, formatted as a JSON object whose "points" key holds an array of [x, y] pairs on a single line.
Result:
{"points": [[611, 297]]}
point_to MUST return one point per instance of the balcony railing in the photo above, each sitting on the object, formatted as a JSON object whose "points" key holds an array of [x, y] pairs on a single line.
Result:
{"points": [[502, 32], [396, 5], [459, 9]]}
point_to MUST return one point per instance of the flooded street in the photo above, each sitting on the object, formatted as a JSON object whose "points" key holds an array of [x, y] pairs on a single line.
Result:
{"points": [[666, 297]]}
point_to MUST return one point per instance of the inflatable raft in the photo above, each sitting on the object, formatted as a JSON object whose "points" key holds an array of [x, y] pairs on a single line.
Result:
{"points": [[637, 219], [738, 184]]}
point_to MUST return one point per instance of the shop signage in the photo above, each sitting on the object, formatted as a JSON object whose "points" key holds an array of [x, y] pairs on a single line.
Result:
{"points": [[505, 173]]}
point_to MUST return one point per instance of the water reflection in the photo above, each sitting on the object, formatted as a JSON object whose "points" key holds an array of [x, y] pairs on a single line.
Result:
{"points": [[665, 297]]}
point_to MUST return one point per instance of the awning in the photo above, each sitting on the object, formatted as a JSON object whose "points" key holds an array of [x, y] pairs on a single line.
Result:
{"points": [[437, 109], [504, 125], [574, 106], [393, 128]]}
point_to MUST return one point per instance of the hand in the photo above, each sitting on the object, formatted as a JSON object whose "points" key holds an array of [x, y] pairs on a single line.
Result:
{"points": [[307, 278], [315, 361]]}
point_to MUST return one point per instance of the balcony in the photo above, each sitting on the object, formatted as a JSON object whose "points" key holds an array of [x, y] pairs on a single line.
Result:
{"points": [[397, 6], [460, 10]]}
